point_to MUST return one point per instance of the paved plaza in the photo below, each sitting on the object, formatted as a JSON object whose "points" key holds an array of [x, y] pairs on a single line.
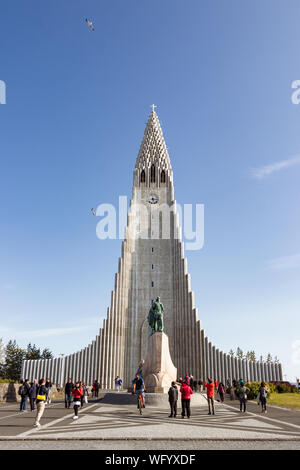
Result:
{"points": [[106, 426]]}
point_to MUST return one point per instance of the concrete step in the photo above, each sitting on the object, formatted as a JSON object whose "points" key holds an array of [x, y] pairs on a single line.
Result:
{"points": [[158, 400]]}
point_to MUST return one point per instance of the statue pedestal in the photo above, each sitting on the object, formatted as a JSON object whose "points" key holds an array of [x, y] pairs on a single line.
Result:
{"points": [[159, 370]]}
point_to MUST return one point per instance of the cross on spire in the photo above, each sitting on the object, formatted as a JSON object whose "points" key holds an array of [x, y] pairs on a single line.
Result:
{"points": [[153, 106]]}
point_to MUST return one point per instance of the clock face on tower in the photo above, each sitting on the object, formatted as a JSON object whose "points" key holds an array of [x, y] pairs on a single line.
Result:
{"points": [[153, 199]]}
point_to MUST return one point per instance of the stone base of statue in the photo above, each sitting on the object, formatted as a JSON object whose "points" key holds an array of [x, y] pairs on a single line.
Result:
{"points": [[159, 370]]}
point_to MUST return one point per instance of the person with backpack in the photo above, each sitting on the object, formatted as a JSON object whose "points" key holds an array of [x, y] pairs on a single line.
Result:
{"points": [[186, 393], [77, 394], [221, 392], [210, 393], [40, 401], [32, 394], [263, 394], [173, 397], [24, 393], [242, 394]]}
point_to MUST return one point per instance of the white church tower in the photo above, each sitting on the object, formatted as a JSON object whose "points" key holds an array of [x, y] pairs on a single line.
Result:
{"points": [[152, 264]]}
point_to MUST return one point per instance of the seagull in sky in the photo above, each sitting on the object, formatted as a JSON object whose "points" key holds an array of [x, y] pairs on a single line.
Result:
{"points": [[92, 211], [90, 24]]}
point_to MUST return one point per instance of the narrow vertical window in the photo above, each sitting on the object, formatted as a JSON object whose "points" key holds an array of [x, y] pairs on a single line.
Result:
{"points": [[152, 249], [152, 174], [152, 283], [163, 177], [143, 176], [152, 266]]}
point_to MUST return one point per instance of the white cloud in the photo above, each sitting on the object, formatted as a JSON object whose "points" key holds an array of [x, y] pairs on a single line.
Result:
{"points": [[267, 170], [285, 262]]}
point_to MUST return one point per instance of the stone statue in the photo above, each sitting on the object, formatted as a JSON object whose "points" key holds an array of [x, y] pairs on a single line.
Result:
{"points": [[155, 316], [140, 369]]}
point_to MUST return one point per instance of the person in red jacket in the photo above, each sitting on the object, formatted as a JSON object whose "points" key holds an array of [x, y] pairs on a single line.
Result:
{"points": [[210, 392], [186, 393], [77, 393]]}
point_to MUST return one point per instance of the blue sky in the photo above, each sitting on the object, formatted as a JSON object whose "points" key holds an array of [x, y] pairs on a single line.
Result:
{"points": [[76, 106]]}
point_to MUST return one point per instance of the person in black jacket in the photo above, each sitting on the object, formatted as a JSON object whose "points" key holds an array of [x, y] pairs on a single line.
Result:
{"points": [[173, 397], [32, 394], [24, 392], [68, 393]]}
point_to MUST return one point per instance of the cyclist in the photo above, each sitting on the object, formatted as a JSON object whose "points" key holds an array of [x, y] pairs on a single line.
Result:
{"points": [[139, 388]]}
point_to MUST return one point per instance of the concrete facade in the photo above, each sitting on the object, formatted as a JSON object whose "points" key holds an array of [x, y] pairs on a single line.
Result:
{"points": [[152, 264]]}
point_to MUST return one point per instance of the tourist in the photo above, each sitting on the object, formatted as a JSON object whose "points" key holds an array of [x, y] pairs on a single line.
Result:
{"points": [[68, 393], [242, 393], [210, 393], [118, 383], [186, 393], [231, 392], [48, 386], [81, 384], [96, 387], [216, 384], [85, 392], [191, 378], [24, 392], [200, 383], [32, 394], [138, 387], [77, 394], [221, 392], [40, 401], [173, 397], [263, 393]]}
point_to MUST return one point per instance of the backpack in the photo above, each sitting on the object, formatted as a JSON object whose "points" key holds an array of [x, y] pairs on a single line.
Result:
{"points": [[242, 394], [22, 390], [263, 393]]}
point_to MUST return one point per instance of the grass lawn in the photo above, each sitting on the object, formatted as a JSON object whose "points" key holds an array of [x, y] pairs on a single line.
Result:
{"points": [[286, 400]]}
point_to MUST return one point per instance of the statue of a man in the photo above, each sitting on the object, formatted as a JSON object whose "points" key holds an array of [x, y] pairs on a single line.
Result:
{"points": [[155, 316]]}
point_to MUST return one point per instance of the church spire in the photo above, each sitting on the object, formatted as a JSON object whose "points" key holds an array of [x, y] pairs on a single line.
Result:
{"points": [[153, 149]]}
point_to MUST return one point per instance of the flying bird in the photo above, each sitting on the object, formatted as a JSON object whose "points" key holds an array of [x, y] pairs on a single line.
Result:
{"points": [[92, 211], [90, 24]]}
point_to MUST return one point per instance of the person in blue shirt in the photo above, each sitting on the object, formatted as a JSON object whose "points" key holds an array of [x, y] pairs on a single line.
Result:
{"points": [[139, 387]]}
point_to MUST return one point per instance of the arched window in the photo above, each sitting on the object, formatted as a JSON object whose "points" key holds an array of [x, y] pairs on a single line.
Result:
{"points": [[143, 176], [152, 174], [163, 176]]}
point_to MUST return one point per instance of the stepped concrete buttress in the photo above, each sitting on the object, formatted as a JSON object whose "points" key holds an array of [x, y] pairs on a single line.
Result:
{"points": [[159, 370]]}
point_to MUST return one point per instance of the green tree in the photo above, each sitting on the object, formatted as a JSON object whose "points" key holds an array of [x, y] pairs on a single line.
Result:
{"points": [[2, 358], [231, 352], [269, 358], [239, 353], [14, 356], [251, 356], [276, 360], [33, 352], [46, 354]]}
